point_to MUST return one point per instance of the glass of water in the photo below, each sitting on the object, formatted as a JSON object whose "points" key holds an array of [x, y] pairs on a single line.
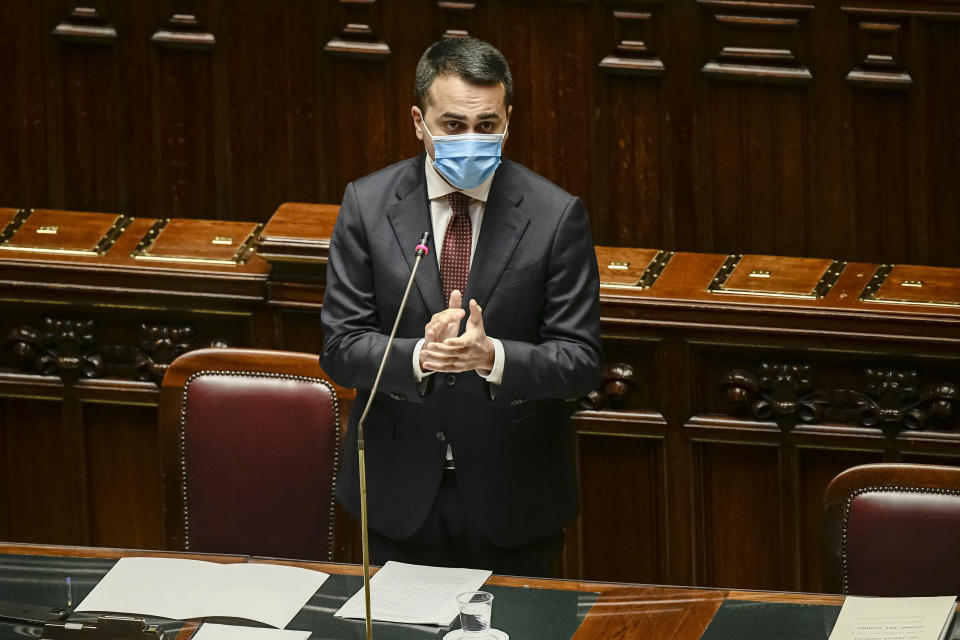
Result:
{"points": [[475, 610]]}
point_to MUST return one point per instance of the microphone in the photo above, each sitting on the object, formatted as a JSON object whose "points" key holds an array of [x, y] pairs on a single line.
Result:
{"points": [[420, 251]]}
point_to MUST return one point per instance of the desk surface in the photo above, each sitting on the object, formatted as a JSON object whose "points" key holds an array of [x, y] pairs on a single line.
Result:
{"points": [[620, 611]]}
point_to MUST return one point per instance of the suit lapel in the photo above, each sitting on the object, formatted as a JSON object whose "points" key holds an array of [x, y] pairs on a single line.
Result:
{"points": [[503, 225], [410, 217]]}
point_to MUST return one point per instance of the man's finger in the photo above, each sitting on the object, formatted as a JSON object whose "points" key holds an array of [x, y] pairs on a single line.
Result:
{"points": [[456, 299], [449, 315], [476, 313], [443, 320], [448, 346], [437, 362]]}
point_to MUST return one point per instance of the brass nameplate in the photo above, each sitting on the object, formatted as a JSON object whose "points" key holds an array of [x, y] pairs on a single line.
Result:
{"points": [[49, 230], [222, 240], [912, 283], [759, 273], [619, 266]]}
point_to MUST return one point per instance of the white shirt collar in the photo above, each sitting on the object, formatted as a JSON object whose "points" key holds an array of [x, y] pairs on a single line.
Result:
{"points": [[437, 187]]}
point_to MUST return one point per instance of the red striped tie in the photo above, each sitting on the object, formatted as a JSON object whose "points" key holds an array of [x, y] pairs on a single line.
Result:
{"points": [[455, 256]]}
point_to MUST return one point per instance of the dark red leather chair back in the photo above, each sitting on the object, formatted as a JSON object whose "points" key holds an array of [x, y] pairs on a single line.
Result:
{"points": [[890, 530], [250, 448]]}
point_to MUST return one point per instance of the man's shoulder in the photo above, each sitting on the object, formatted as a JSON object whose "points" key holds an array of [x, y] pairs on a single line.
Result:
{"points": [[534, 186], [390, 175], [522, 172]]}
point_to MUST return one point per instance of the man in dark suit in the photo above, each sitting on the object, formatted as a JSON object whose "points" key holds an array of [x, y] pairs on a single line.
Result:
{"points": [[468, 450]]}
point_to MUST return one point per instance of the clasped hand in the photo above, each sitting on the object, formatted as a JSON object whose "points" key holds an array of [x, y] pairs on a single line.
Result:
{"points": [[444, 350]]}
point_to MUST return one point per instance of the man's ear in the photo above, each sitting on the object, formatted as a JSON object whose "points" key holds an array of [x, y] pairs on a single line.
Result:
{"points": [[506, 135], [417, 121]]}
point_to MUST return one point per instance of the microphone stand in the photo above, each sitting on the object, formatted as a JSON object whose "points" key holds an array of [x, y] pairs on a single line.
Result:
{"points": [[421, 251]]}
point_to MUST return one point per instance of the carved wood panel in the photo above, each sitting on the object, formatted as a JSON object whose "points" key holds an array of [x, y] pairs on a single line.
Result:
{"points": [[630, 380], [84, 111], [183, 30], [622, 484], [755, 167], [37, 477], [636, 41], [97, 372], [124, 432], [289, 159], [933, 139], [816, 411], [360, 25], [757, 42], [74, 348], [737, 543], [458, 17], [193, 152]]}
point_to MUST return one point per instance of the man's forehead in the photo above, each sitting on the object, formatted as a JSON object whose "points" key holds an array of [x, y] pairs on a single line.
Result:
{"points": [[453, 94]]}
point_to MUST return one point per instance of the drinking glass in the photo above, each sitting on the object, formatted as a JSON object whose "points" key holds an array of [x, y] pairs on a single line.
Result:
{"points": [[475, 611]]}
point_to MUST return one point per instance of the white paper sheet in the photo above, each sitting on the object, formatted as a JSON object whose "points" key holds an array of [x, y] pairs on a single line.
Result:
{"points": [[414, 594], [894, 618], [182, 589], [209, 631]]}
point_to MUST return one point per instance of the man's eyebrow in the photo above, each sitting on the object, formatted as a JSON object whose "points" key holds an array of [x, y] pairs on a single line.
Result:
{"points": [[493, 115]]}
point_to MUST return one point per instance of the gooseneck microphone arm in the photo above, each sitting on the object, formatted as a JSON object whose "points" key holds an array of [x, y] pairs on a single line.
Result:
{"points": [[421, 251]]}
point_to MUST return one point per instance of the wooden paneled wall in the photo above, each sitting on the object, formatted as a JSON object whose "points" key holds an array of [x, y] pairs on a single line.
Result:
{"points": [[818, 128]]}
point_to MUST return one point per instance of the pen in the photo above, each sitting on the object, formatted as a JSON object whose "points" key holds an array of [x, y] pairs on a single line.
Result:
{"points": [[69, 593]]}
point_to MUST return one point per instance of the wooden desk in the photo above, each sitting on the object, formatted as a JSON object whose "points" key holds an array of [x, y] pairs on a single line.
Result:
{"points": [[622, 611]]}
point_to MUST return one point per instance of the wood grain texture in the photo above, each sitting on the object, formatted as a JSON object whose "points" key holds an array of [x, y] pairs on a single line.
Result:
{"points": [[638, 107], [636, 496], [124, 432], [34, 507]]}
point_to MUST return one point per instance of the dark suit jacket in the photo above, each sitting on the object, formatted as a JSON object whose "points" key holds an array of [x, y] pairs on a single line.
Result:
{"points": [[535, 276]]}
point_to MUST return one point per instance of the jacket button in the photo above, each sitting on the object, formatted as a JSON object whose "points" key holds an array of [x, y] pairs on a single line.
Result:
{"points": [[441, 436], [451, 379]]}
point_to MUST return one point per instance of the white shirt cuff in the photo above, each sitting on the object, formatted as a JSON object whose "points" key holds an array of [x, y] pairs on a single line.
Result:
{"points": [[418, 373], [496, 374]]}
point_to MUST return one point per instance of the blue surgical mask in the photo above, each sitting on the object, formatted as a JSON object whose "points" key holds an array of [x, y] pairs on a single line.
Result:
{"points": [[466, 159]]}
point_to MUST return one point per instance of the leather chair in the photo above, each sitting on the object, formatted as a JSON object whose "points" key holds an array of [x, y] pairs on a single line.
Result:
{"points": [[249, 446], [892, 530]]}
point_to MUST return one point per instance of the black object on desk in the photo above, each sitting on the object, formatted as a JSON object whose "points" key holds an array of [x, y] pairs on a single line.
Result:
{"points": [[32, 614], [103, 628]]}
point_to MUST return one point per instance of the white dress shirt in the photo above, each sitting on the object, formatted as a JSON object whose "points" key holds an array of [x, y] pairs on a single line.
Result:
{"points": [[440, 214]]}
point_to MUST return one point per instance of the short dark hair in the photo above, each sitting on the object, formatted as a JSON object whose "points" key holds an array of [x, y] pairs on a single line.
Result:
{"points": [[469, 59]]}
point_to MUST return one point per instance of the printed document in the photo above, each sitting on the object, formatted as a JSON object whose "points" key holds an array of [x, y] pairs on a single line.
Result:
{"points": [[182, 589], [894, 618], [414, 594]]}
